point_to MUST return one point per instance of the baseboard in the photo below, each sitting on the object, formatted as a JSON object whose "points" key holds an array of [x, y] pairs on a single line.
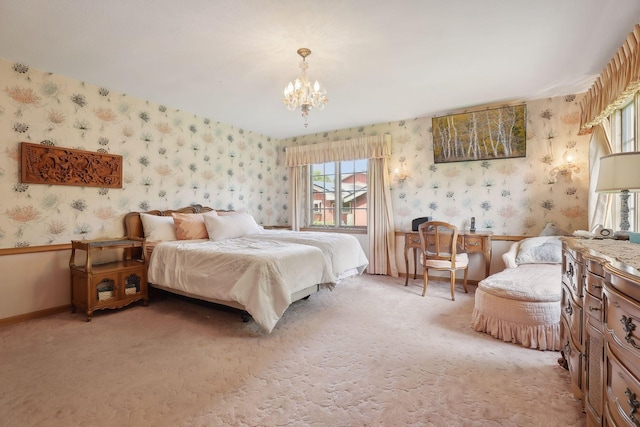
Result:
{"points": [[55, 310], [34, 315]]}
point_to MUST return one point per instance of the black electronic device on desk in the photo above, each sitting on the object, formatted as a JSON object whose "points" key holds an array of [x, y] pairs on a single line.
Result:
{"points": [[416, 222]]}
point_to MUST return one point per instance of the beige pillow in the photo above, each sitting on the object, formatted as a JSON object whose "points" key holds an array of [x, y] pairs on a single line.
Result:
{"points": [[191, 226]]}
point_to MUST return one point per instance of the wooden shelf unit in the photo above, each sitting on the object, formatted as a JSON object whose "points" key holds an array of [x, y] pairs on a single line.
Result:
{"points": [[112, 284]]}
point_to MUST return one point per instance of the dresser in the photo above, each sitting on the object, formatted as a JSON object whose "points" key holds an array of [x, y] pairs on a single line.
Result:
{"points": [[468, 241], [599, 328]]}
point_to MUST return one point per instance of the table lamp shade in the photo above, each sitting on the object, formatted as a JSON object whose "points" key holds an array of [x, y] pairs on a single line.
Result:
{"points": [[619, 172]]}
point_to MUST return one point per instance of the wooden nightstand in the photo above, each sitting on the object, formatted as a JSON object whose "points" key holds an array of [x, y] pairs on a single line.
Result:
{"points": [[277, 227], [109, 285]]}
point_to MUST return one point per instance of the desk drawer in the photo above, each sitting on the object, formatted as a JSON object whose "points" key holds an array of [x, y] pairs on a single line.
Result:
{"points": [[473, 244]]}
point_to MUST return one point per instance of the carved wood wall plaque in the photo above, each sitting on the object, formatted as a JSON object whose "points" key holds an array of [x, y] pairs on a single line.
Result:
{"points": [[45, 164]]}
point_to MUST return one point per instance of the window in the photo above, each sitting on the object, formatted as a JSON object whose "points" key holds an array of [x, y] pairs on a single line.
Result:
{"points": [[624, 123], [339, 194]]}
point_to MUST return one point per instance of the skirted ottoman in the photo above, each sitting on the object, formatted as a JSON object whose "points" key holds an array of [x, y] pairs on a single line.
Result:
{"points": [[522, 303]]}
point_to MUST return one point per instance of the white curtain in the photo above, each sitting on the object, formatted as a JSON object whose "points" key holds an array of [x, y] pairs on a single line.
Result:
{"points": [[380, 228], [297, 191], [382, 241], [599, 203]]}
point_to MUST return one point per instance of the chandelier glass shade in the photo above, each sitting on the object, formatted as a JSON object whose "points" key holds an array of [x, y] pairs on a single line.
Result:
{"points": [[301, 94]]}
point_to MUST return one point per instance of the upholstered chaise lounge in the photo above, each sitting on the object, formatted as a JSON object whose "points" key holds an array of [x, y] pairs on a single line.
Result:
{"points": [[522, 303]]}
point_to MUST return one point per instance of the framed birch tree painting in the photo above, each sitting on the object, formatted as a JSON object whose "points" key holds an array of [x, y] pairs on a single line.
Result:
{"points": [[498, 133]]}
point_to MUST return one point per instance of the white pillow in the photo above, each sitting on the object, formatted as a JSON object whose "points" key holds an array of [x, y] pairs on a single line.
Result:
{"points": [[230, 226], [540, 250], [553, 230], [158, 228], [509, 257]]}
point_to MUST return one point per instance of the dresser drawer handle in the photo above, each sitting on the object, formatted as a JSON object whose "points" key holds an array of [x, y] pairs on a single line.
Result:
{"points": [[634, 404], [568, 309], [570, 270], [629, 327], [473, 243], [597, 286], [594, 308]]}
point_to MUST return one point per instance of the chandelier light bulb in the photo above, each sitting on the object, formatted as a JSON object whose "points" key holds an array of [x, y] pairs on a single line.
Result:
{"points": [[300, 93]]}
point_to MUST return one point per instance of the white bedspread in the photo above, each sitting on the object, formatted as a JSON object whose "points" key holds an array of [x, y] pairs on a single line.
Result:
{"points": [[342, 251], [257, 273]]}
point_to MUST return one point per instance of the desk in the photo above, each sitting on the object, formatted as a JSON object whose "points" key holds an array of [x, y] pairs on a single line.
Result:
{"points": [[469, 242]]}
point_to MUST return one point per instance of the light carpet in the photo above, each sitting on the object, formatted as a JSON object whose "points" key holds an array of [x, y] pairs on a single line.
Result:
{"points": [[372, 352]]}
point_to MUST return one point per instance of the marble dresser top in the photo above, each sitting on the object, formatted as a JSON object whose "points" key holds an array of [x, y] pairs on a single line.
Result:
{"points": [[621, 250]]}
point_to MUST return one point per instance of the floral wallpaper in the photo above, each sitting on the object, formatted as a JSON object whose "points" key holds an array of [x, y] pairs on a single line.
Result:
{"points": [[508, 196], [171, 159]]}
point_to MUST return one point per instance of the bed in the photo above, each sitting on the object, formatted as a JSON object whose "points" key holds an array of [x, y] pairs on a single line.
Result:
{"points": [[342, 252], [260, 272]]}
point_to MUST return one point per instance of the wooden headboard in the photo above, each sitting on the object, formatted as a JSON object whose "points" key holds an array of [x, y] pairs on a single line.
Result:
{"points": [[133, 223]]}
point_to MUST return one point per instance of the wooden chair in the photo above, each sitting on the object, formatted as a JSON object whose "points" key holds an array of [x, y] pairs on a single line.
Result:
{"points": [[438, 242]]}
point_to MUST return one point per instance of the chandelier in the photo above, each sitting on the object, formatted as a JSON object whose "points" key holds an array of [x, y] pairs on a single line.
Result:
{"points": [[300, 94]]}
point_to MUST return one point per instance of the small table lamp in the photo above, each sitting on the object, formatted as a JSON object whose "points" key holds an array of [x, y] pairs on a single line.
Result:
{"points": [[620, 173]]}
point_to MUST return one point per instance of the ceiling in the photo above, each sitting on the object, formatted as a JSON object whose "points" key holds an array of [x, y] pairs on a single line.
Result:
{"points": [[380, 61]]}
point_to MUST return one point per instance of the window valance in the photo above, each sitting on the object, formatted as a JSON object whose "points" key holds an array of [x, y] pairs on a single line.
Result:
{"points": [[372, 147], [615, 84]]}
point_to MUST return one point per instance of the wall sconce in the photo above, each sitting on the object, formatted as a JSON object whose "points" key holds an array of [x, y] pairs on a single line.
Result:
{"points": [[400, 174], [566, 169]]}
